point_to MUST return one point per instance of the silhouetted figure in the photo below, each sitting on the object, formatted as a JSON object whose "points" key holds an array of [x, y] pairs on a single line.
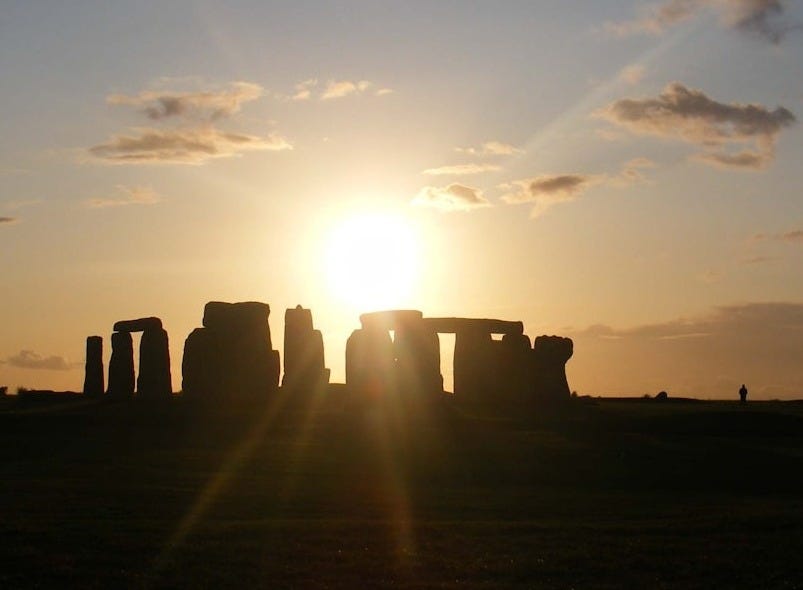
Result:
{"points": [[232, 356], [550, 354], [743, 393], [121, 366], [93, 369], [304, 369]]}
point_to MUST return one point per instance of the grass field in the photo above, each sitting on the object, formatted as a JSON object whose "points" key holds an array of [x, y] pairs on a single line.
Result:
{"points": [[606, 494]]}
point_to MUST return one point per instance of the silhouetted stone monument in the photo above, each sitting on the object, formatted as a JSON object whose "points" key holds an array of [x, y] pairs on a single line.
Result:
{"points": [[138, 325], [409, 363], [304, 369], [231, 357], [93, 369], [478, 358], [369, 362], [121, 366], [550, 354], [154, 380]]}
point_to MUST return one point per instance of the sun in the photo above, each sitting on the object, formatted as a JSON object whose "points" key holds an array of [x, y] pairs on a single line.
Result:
{"points": [[372, 260]]}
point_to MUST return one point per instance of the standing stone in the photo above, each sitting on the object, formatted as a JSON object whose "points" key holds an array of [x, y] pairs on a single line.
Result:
{"points": [[121, 366], [93, 370], [550, 354], [231, 357], [473, 364], [154, 381], [418, 358], [304, 369], [369, 363]]}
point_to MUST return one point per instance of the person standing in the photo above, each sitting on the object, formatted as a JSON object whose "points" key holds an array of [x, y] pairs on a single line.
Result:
{"points": [[743, 393]]}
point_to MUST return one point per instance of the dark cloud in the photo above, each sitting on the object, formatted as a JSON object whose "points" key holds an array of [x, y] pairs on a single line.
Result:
{"points": [[547, 190], [182, 146], [28, 359], [757, 343], [766, 18], [209, 105], [689, 115], [454, 197], [8, 220]]}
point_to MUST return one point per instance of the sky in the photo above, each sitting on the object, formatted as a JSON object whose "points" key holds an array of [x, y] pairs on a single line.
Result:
{"points": [[624, 173]]}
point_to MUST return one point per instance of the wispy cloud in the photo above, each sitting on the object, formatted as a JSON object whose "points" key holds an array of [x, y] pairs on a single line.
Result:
{"points": [[547, 190], [491, 148], [195, 138], [789, 237], [136, 195], [304, 89], [183, 146], [454, 197], [209, 105], [462, 169], [343, 88], [28, 359], [690, 115], [8, 220], [767, 18], [632, 74]]}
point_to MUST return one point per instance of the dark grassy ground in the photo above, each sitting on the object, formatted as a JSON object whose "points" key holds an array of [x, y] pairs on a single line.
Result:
{"points": [[605, 495]]}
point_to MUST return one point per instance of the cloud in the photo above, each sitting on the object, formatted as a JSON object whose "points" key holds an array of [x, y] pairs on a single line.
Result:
{"points": [[548, 190], [8, 220], [454, 197], [491, 148], [790, 237], [183, 146], [758, 343], [766, 18], [28, 359], [136, 195], [690, 115], [384, 91], [632, 74], [304, 89], [195, 138], [462, 169], [208, 105], [759, 259], [745, 160], [631, 172], [340, 89]]}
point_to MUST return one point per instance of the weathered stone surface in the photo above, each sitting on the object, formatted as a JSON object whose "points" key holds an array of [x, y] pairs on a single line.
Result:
{"points": [[550, 354], [237, 317], [121, 366], [416, 348], [231, 358], [304, 369], [369, 363], [198, 365], [93, 369], [138, 325], [514, 369], [473, 364], [390, 319], [489, 326], [154, 381]]}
